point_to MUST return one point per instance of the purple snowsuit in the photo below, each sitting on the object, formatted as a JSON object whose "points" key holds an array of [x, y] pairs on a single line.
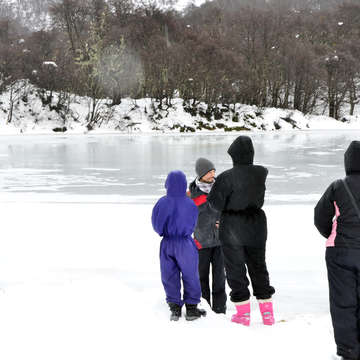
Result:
{"points": [[174, 218]]}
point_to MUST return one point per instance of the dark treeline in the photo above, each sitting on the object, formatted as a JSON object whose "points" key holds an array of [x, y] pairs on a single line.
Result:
{"points": [[279, 53]]}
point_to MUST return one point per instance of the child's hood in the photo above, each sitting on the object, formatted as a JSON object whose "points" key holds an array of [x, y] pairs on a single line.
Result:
{"points": [[176, 183], [352, 158]]}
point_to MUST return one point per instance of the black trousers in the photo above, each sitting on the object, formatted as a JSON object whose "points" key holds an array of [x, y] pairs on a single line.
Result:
{"points": [[239, 260], [343, 266], [213, 256]]}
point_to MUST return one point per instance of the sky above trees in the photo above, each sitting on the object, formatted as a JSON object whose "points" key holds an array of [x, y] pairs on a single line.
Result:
{"points": [[183, 3]]}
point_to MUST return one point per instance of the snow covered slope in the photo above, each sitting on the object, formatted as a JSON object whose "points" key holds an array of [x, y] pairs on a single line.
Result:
{"points": [[32, 115]]}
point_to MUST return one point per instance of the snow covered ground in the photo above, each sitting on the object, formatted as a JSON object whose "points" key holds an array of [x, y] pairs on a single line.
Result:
{"points": [[142, 116], [82, 281]]}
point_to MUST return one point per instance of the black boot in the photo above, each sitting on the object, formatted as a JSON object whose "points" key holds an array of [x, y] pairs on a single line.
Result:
{"points": [[193, 313], [175, 311], [221, 310]]}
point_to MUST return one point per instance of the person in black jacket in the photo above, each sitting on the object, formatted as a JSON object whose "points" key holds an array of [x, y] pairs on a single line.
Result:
{"points": [[206, 236], [337, 219], [238, 194]]}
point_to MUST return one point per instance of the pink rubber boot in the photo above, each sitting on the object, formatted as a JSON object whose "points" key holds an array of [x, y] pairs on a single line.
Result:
{"points": [[267, 312], [243, 314]]}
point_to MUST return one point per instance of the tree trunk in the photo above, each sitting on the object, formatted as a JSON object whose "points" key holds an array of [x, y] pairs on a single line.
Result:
{"points": [[10, 115], [332, 108]]}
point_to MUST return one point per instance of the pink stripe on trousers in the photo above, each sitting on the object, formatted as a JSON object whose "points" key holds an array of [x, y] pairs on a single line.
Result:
{"points": [[331, 240]]}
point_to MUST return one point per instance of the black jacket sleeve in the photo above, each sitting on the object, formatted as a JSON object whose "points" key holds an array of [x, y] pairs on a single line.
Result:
{"points": [[325, 212], [219, 193]]}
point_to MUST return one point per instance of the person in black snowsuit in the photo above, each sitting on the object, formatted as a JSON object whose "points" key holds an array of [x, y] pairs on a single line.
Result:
{"points": [[206, 236], [337, 219], [238, 194]]}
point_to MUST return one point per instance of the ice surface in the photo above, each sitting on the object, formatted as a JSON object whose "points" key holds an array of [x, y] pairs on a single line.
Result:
{"points": [[120, 168]]}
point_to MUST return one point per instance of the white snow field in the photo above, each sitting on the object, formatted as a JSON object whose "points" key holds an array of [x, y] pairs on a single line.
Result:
{"points": [[82, 281]]}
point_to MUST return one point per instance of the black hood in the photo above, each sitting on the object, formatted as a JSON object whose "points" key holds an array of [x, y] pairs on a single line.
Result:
{"points": [[352, 158], [242, 151]]}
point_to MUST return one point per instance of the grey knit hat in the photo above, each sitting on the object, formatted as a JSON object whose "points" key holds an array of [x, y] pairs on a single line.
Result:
{"points": [[203, 166]]}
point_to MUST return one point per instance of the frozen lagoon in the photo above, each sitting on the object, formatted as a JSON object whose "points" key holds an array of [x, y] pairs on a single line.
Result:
{"points": [[132, 169], [79, 273]]}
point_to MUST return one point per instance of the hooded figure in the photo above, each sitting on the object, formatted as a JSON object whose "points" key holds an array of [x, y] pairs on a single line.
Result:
{"points": [[174, 218], [238, 194], [175, 215], [336, 219], [345, 230]]}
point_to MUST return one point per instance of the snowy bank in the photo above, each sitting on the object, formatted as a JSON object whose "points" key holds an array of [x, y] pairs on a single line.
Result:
{"points": [[27, 109], [82, 281]]}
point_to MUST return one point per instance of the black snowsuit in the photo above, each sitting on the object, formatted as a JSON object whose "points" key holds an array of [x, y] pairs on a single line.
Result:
{"points": [[239, 194], [206, 237], [337, 220]]}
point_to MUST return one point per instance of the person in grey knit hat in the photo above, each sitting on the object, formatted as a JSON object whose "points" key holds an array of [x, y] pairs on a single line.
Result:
{"points": [[203, 166], [206, 237]]}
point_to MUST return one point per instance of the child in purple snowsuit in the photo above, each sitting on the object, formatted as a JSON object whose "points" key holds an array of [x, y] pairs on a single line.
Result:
{"points": [[174, 218]]}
